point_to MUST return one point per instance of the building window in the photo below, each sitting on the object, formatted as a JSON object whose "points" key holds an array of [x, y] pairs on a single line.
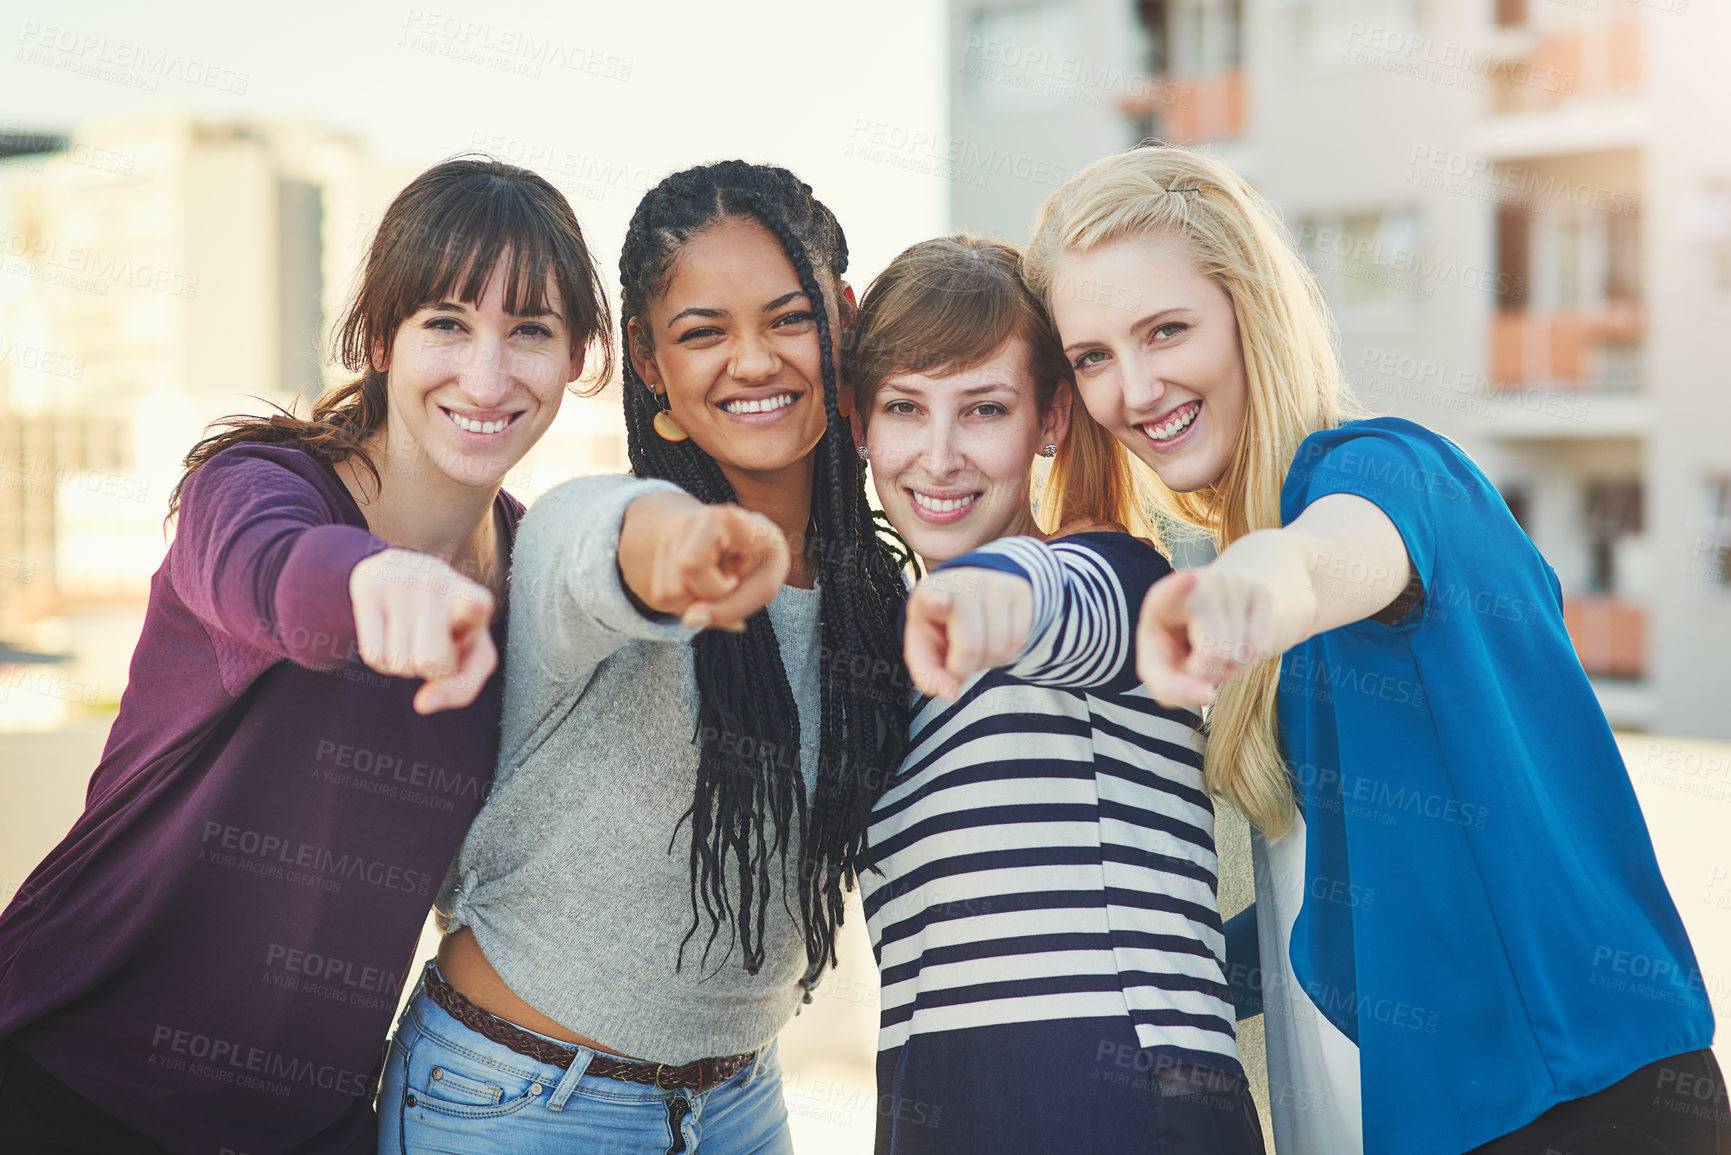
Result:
{"points": [[1514, 253], [1511, 13], [1708, 222], [1153, 15], [1573, 259], [1324, 28], [1231, 33], [1192, 37], [1519, 498], [1366, 258], [1713, 548], [1613, 510], [1010, 55], [1623, 257]]}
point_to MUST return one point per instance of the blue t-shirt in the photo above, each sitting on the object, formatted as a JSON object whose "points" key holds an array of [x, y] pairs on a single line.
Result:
{"points": [[1521, 949]]}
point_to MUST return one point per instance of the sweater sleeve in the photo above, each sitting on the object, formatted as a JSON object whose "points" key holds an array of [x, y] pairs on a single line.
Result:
{"points": [[569, 608], [262, 559], [1088, 589]]}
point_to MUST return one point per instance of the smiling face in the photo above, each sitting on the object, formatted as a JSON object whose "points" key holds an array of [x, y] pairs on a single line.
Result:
{"points": [[732, 344], [472, 387], [1165, 374], [951, 455]]}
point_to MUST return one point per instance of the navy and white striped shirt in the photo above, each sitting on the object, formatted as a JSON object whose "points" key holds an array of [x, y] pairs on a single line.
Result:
{"points": [[1047, 857]]}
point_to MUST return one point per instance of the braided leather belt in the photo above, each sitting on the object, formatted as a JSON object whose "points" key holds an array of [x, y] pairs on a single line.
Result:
{"points": [[695, 1076]]}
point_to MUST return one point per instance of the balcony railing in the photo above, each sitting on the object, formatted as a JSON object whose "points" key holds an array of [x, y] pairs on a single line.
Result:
{"points": [[1193, 108], [1596, 61], [1610, 634], [1577, 349]]}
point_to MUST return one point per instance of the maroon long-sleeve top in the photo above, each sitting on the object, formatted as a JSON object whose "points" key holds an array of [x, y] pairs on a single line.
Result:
{"points": [[214, 952]]}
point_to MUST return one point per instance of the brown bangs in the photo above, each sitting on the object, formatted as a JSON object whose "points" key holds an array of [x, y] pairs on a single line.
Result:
{"points": [[944, 306], [452, 223], [450, 248]]}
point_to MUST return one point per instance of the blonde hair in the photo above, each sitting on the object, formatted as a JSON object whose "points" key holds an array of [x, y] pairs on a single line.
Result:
{"points": [[1291, 369], [1093, 477]]}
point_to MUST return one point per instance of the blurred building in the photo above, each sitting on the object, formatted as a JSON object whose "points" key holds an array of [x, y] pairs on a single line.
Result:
{"points": [[153, 275], [1521, 213], [156, 275]]}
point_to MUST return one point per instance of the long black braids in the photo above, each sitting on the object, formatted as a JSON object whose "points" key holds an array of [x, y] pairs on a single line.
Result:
{"points": [[749, 807]]}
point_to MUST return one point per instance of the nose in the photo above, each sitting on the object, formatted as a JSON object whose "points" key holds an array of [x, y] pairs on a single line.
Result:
{"points": [[941, 456], [753, 360], [1142, 386], [485, 378]]}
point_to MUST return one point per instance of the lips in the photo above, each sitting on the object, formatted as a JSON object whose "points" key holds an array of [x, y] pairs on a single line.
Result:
{"points": [[942, 508], [1173, 425], [484, 425], [747, 406]]}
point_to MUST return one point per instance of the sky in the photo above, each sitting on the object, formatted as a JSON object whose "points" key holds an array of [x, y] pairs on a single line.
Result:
{"points": [[594, 89]]}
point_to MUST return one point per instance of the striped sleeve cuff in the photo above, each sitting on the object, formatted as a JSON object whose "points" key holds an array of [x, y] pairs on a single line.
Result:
{"points": [[1035, 562]]}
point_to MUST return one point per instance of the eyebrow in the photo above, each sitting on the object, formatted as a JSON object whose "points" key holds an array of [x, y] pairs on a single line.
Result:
{"points": [[1145, 322], [458, 307], [699, 311], [971, 391]]}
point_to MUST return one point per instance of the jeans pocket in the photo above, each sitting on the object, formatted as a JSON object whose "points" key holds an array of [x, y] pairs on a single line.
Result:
{"points": [[447, 1081], [447, 1084]]}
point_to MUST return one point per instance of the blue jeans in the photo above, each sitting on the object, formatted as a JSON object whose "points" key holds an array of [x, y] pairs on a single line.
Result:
{"points": [[448, 1089]]}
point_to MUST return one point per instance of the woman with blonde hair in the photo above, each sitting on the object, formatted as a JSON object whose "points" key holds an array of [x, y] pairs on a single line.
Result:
{"points": [[1451, 859]]}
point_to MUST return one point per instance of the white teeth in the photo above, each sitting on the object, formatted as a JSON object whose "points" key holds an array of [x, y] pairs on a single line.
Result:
{"points": [[1175, 425], [942, 504], [479, 426], [767, 405]]}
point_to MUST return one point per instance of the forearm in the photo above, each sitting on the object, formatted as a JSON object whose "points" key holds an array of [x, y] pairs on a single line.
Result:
{"points": [[1057, 615], [312, 614], [569, 601], [650, 521], [1079, 632], [1338, 562], [259, 557]]}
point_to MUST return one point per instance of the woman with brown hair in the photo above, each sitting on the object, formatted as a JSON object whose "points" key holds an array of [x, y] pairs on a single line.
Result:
{"points": [[1041, 890], [210, 959]]}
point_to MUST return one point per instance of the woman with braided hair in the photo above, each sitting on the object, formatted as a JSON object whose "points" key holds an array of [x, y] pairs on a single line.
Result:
{"points": [[684, 781]]}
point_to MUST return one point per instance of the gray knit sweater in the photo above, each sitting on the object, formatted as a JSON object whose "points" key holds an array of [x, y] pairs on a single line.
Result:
{"points": [[573, 878]]}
